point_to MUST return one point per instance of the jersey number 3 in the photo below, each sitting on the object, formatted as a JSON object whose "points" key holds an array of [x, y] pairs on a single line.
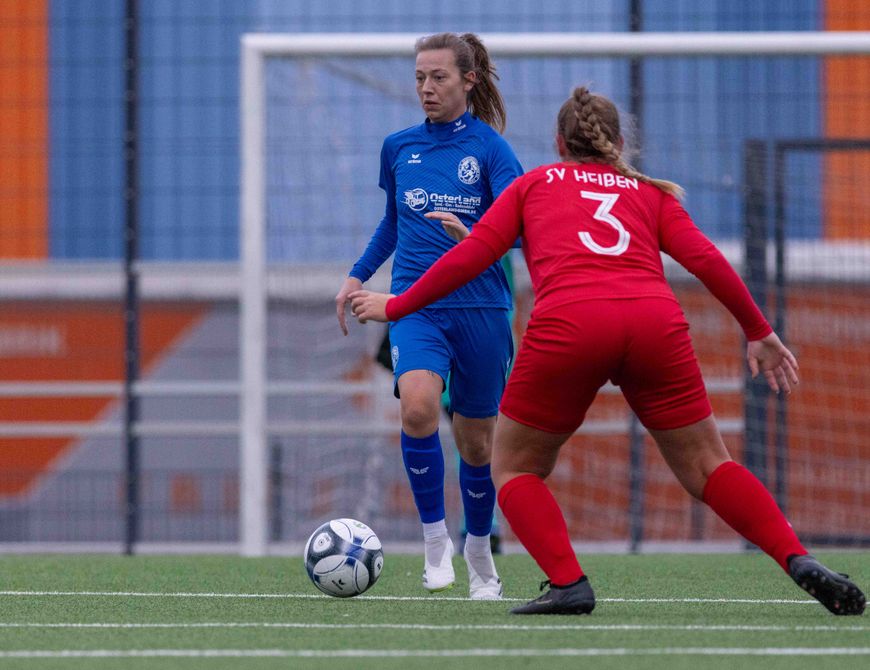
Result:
{"points": [[607, 200]]}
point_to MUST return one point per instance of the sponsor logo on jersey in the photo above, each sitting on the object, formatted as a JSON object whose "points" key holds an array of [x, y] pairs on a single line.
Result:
{"points": [[469, 170], [458, 125], [415, 159], [416, 199]]}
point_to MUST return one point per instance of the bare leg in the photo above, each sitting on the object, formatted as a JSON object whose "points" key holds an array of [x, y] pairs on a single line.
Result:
{"points": [[522, 450], [700, 461], [693, 453]]}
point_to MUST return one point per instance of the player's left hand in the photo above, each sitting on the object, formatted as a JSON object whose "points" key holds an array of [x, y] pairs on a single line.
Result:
{"points": [[770, 357], [369, 305], [451, 223]]}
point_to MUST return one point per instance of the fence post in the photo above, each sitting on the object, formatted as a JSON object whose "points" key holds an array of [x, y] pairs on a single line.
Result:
{"points": [[131, 295], [755, 275]]}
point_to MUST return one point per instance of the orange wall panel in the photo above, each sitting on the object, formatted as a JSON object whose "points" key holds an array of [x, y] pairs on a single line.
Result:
{"points": [[23, 128], [70, 342], [846, 114]]}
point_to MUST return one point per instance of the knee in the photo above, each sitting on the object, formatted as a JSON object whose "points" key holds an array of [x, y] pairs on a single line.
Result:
{"points": [[474, 439], [503, 470], [476, 452], [693, 453], [694, 477], [500, 476], [419, 419]]}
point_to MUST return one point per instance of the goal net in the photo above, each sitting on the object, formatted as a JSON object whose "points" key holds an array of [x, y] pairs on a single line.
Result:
{"points": [[319, 424]]}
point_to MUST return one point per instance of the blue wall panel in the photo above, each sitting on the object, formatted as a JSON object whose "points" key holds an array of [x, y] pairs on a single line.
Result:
{"points": [[85, 119], [697, 112], [190, 74], [733, 99]]}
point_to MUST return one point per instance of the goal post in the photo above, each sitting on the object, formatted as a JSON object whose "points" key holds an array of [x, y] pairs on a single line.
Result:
{"points": [[255, 288]]}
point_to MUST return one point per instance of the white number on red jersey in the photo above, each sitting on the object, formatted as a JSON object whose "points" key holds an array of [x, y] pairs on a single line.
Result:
{"points": [[607, 200]]}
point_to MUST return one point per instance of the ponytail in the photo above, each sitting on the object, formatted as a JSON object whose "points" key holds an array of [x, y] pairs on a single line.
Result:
{"points": [[485, 100]]}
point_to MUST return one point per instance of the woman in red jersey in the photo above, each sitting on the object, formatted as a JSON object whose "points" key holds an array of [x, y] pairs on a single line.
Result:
{"points": [[592, 229]]}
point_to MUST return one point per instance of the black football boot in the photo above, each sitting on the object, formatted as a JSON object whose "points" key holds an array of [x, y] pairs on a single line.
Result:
{"points": [[833, 589], [576, 598]]}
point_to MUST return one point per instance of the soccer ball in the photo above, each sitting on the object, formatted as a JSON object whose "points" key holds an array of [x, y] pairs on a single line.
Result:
{"points": [[343, 558]]}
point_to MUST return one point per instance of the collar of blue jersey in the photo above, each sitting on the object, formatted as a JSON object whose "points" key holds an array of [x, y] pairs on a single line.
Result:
{"points": [[449, 130]]}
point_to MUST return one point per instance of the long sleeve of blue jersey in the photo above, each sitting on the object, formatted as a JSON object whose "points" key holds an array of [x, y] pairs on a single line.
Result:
{"points": [[383, 242]]}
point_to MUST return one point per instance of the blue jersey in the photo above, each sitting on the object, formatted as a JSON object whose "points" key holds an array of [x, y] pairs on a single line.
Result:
{"points": [[459, 167]]}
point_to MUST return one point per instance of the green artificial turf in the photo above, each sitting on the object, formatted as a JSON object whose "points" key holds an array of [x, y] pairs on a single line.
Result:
{"points": [[644, 617]]}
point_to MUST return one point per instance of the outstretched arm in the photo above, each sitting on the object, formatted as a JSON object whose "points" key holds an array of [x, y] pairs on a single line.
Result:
{"points": [[765, 353], [457, 267], [691, 249], [489, 240], [370, 305]]}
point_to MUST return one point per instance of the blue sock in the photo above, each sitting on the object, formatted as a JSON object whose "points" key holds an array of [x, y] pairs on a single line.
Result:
{"points": [[424, 463], [478, 497]]}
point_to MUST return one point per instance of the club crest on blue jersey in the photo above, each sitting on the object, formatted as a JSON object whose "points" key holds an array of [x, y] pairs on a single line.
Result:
{"points": [[469, 170], [416, 199]]}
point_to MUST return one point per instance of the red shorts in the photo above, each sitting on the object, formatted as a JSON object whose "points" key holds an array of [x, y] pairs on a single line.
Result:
{"points": [[642, 345]]}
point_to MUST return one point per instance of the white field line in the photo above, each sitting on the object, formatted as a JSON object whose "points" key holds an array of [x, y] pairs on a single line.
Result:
{"points": [[435, 653], [433, 598], [445, 627]]}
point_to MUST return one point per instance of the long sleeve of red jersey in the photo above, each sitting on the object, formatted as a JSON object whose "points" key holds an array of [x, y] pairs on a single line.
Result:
{"points": [[681, 239], [457, 267], [491, 237]]}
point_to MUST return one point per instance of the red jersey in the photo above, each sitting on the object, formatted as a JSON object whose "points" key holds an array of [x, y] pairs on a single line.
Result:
{"points": [[588, 233]]}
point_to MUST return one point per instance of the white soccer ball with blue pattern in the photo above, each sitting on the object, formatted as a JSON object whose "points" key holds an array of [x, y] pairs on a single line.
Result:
{"points": [[344, 558]]}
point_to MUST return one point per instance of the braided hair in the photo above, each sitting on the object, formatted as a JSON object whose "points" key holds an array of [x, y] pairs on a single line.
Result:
{"points": [[589, 125]]}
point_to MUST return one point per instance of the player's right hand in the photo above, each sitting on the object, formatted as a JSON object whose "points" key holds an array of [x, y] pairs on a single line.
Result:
{"points": [[350, 285], [771, 357]]}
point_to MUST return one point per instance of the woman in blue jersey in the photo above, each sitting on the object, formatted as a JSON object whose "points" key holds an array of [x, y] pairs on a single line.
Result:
{"points": [[440, 177]]}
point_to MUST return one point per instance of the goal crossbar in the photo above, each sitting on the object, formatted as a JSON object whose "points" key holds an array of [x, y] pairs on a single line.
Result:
{"points": [[601, 45]]}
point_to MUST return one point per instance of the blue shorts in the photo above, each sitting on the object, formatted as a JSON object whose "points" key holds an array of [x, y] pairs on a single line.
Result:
{"points": [[473, 347]]}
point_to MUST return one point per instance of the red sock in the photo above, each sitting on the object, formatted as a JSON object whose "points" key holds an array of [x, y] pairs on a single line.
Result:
{"points": [[535, 517], [736, 495]]}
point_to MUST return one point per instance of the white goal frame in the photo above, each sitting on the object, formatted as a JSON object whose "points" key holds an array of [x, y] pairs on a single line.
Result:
{"points": [[257, 47]]}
